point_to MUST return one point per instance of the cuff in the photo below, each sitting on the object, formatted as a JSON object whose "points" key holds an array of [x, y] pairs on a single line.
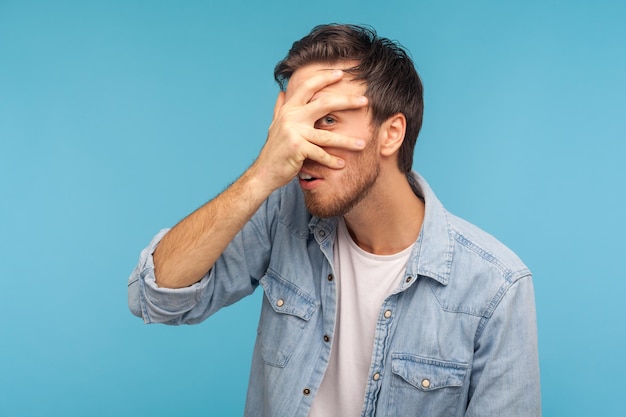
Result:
{"points": [[155, 304]]}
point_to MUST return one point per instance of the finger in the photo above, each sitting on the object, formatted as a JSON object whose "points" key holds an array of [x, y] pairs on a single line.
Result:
{"points": [[305, 90], [328, 139], [280, 101], [319, 155], [328, 103]]}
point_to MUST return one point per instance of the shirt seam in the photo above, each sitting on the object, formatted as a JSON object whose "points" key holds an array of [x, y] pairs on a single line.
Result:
{"points": [[495, 302]]}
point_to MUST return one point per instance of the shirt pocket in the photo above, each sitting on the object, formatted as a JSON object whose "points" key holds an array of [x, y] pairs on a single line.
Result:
{"points": [[285, 313], [426, 384]]}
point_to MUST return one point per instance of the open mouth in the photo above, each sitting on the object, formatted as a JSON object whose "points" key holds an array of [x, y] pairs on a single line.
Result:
{"points": [[309, 182], [306, 177]]}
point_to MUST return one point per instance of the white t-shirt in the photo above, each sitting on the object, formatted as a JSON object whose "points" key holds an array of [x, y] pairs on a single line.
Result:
{"points": [[364, 281]]}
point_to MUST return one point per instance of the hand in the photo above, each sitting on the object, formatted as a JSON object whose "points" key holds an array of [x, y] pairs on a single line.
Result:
{"points": [[292, 137]]}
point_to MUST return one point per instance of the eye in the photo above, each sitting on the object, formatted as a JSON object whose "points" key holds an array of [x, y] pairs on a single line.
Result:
{"points": [[325, 122]]}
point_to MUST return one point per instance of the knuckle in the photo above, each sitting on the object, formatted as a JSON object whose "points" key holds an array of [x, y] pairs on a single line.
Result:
{"points": [[321, 138], [321, 154], [286, 114], [310, 84], [323, 100], [327, 102]]}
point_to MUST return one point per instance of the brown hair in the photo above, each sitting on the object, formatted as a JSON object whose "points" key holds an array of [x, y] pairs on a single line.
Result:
{"points": [[393, 85]]}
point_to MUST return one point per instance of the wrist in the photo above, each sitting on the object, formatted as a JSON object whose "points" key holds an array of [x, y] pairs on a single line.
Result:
{"points": [[259, 182]]}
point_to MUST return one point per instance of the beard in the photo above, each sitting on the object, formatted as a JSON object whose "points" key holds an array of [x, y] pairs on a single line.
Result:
{"points": [[356, 183]]}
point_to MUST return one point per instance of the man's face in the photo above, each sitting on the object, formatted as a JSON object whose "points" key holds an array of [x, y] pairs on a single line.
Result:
{"points": [[330, 192]]}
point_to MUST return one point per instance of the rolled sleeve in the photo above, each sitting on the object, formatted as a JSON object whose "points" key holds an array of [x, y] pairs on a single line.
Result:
{"points": [[153, 303]]}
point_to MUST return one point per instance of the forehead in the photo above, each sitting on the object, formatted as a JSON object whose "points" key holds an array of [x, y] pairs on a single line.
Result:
{"points": [[347, 85]]}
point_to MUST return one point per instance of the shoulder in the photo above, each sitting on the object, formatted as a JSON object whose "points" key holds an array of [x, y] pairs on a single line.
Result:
{"points": [[450, 244], [482, 270], [471, 270], [484, 252]]}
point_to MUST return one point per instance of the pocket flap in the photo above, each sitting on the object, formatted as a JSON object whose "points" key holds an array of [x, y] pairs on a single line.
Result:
{"points": [[428, 374], [287, 298]]}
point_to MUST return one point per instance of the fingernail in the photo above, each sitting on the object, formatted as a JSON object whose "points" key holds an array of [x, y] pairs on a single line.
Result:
{"points": [[362, 100], [360, 143], [337, 73], [341, 162]]}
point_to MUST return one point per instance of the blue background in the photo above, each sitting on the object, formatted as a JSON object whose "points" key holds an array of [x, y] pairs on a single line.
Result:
{"points": [[118, 118]]}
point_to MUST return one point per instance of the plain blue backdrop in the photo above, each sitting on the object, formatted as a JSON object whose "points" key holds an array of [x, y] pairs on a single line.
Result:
{"points": [[118, 118]]}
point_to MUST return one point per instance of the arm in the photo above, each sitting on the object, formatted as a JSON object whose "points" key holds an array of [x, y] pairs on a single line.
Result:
{"points": [[505, 372], [190, 249]]}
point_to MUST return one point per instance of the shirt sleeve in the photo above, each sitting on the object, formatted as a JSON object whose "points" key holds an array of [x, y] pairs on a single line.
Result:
{"points": [[234, 275], [505, 371], [153, 303]]}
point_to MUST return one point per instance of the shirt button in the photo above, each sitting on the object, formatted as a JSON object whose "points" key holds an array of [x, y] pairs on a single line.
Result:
{"points": [[280, 302], [306, 391], [326, 338], [425, 383], [408, 279], [376, 376], [322, 233], [330, 277], [387, 314]]}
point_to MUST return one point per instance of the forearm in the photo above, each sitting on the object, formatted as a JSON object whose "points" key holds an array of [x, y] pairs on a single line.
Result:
{"points": [[188, 251]]}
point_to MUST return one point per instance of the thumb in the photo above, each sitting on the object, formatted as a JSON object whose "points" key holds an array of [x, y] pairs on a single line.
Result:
{"points": [[280, 100]]}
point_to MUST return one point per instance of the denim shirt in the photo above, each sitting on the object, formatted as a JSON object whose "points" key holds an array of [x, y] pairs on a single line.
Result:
{"points": [[456, 338]]}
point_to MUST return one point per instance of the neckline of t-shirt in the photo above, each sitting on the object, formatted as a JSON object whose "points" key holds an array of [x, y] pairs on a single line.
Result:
{"points": [[404, 253]]}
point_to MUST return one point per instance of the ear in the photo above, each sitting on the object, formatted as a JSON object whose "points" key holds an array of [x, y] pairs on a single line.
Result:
{"points": [[391, 134]]}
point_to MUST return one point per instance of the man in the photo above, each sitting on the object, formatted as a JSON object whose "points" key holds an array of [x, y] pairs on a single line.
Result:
{"points": [[377, 301]]}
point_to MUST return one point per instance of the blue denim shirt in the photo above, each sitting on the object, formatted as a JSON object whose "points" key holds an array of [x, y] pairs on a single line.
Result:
{"points": [[460, 340]]}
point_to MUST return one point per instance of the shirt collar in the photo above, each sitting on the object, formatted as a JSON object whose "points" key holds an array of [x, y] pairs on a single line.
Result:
{"points": [[433, 250]]}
